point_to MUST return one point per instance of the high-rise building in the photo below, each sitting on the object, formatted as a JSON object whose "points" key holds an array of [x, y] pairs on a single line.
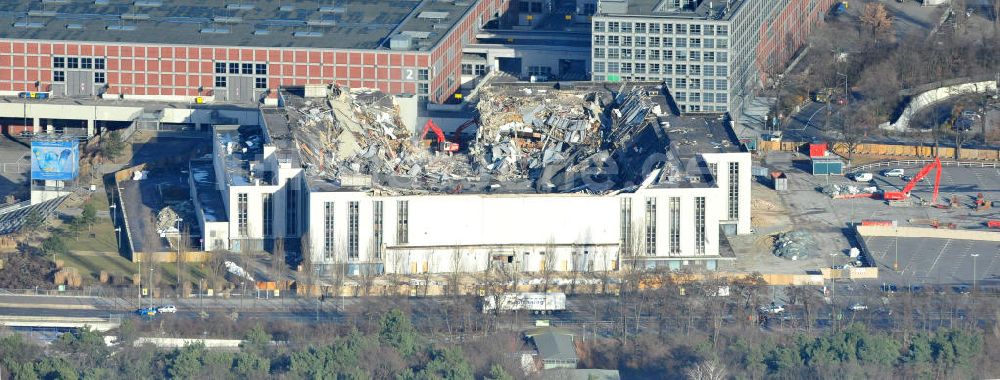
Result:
{"points": [[711, 55]]}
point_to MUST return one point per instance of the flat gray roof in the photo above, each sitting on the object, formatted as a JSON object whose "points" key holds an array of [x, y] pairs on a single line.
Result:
{"points": [[714, 10], [346, 24], [936, 261]]}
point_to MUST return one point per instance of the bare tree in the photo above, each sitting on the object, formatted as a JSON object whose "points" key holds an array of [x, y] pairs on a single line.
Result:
{"points": [[709, 369]]}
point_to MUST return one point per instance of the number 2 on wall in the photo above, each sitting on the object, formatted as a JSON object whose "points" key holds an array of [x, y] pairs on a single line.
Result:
{"points": [[408, 74]]}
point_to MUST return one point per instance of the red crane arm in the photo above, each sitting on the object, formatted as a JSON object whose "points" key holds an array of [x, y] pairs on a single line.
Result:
{"points": [[458, 132], [923, 173], [431, 126]]}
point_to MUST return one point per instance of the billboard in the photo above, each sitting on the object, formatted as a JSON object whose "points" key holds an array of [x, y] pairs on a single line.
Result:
{"points": [[55, 160]]}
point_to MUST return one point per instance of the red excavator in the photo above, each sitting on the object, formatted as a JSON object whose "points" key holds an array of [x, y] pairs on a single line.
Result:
{"points": [[905, 193], [443, 144]]}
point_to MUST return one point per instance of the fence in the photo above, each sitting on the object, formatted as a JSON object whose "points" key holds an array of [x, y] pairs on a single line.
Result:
{"points": [[890, 150], [898, 163]]}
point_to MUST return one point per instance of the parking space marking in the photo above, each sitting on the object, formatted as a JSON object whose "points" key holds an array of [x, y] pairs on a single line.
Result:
{"points": [[945, 247]]}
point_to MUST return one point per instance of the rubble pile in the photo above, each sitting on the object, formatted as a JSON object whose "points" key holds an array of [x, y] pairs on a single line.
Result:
{"points": [[354, 136], [524, 131], [166, 218], [838, 191], [794, 245]]}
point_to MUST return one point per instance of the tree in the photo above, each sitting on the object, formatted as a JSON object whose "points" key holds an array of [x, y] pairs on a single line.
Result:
{"points": [[89, 215], [498, 373], [446, 363], [876, 17], [249, 365], [186, 362], [112, 146], [256, 340], [33, 222], [707, 370], [396, 331]]}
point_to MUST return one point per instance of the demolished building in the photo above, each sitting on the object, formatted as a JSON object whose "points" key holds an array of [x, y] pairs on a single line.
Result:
{"points": [[565, 180]]}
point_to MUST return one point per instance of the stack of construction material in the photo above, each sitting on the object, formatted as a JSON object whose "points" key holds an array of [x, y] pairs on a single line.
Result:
{"points": [[794, 245]]}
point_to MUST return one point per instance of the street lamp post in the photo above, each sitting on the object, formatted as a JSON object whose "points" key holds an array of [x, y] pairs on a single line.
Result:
{"points": [[974, 275]]}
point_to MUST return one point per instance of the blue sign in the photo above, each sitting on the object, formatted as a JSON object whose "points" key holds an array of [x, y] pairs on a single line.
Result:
{"points": [[55, 160]]}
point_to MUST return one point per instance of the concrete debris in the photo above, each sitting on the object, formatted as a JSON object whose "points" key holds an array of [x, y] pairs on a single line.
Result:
{"points": [[526, 139], [794, 245], [166, 218], [841, 190]]}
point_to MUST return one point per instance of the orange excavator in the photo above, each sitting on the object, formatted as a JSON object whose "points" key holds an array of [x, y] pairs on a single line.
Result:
{"points": [[443, 144], [905, 193]]}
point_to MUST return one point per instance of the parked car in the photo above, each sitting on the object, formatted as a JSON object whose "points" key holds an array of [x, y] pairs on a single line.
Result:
{"points": [[772, 308], [893, 173], [166, 309], [862, 177], [146, 312]]}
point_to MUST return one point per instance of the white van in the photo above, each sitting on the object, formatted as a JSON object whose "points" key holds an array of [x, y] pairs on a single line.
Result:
{"points": [[862, 177], [893, 173]]}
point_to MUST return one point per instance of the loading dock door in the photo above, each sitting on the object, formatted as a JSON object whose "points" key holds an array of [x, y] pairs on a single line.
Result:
{"points": [[79, 83], [510, 66], [240, 89]]}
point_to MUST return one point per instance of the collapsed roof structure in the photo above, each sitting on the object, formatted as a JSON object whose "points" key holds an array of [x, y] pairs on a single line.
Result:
{"points": [[527, 141]]}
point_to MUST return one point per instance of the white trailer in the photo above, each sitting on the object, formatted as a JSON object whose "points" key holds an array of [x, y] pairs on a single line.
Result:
{"points": [[538, 303]]}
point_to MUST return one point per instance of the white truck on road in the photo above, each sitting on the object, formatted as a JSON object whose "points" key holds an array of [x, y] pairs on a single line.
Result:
{"points": [[537, 303]]}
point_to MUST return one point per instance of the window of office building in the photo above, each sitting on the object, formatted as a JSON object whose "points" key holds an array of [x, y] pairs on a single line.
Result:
{"points": [[598, 26], [73, 63], [423, 74], [721, 30], [613, 67], [626, 67], [99, 77], [328, 232], [260, 83], [59, 62], [220, 67], [668, 28], [58, 76], [247, 68], [614, 41], [614, 26], [598, 53], [640, 27], [220, 81], [599, 40], [377, 230], [402, 222], [681, 29], [695, 29], [721, 97], [626, 27], [734, 190], [352, 230], [654, 28], [86, 63], [234, 68], [267, 209], [651, 226], [699, 225], [654, 42], [261, 69], [675, 225], [598, 67], [241, 215], [99, 63], [626, 225]]}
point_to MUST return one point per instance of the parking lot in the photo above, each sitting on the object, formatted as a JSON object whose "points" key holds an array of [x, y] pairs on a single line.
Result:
{"points": [[15, 164], [936, 261]]}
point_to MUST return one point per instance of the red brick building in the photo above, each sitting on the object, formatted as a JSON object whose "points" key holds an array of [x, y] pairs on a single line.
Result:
{"points": [[235, 52]]}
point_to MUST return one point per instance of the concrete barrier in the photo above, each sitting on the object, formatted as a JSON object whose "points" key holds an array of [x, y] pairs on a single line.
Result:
{"points": [[97, 324], [934, 233], [181, 342], [928, 98]]}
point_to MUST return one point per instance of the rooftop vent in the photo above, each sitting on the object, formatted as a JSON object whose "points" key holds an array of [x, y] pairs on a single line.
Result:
{"points": [[416, 34], [28, 24], [148, 3], [228, 19], [214, 30], [240, 7], [121, 28], [41, 13], [307, 34], [433, 15], [321, 22], [135, 16], [401, 42], [331, 9]]}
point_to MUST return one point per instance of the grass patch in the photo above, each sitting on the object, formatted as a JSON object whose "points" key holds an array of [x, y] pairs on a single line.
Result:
{"points": [[91, 265], [100, 238]]}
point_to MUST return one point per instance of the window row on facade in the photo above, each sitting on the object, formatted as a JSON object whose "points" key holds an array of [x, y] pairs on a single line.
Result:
{"points": [[649, 238], [654, 42], [331, 245], [662, 68], [661, 55], [660, 28]]}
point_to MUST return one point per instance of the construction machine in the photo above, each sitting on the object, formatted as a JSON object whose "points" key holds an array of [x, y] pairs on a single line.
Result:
{"points": [[443, 144], [982, 204], [905, 193], [457, 136]]}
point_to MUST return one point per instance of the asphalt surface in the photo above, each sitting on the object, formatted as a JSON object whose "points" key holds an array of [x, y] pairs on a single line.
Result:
{"points": [[936, 261]]}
